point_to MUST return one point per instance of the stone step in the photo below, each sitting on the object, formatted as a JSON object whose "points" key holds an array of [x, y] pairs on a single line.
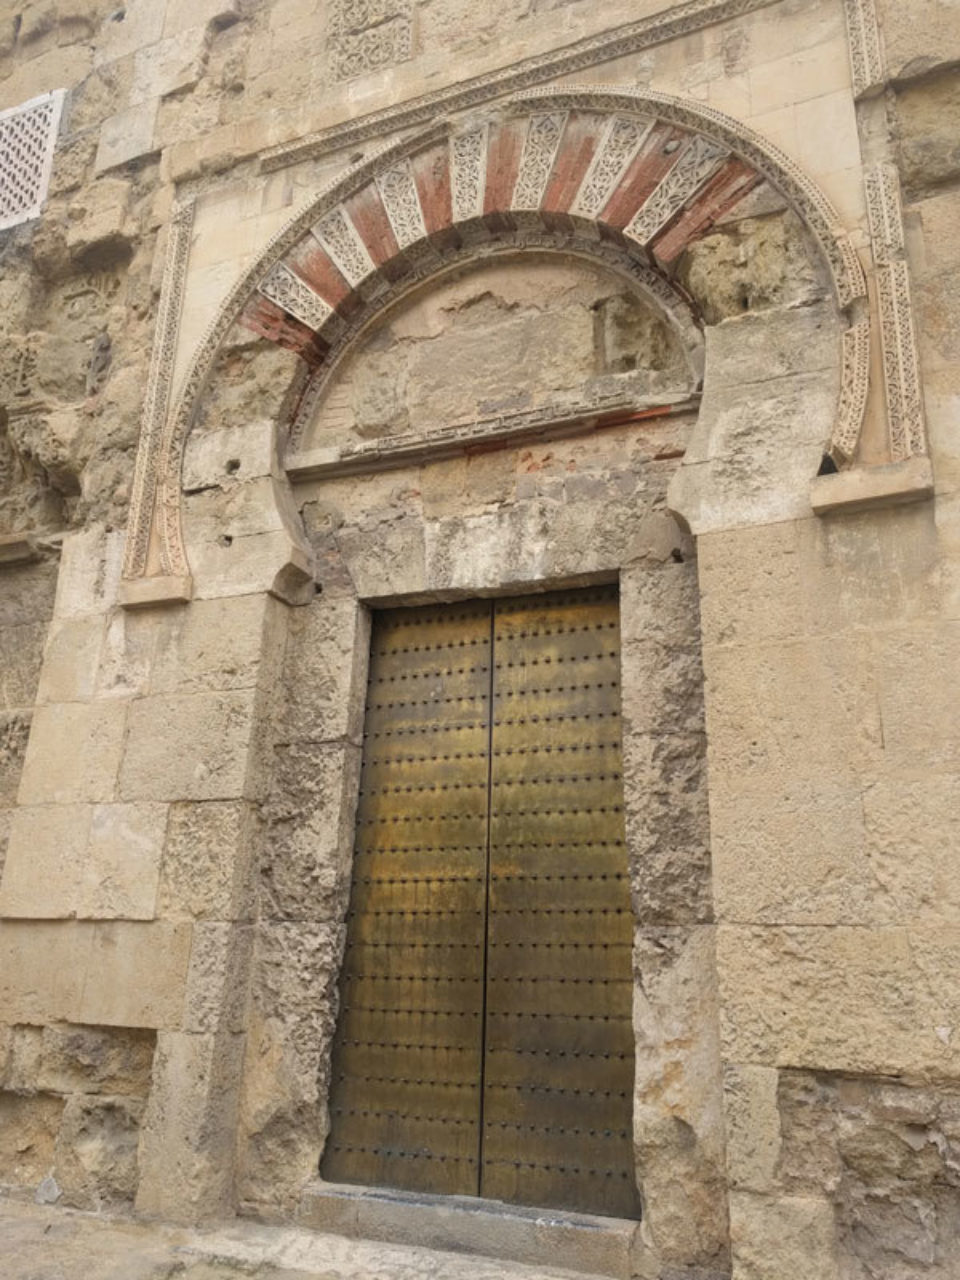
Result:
{"points": [[577, 1242]]}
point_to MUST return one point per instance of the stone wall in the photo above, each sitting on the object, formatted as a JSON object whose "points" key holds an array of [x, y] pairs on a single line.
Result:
{"points": [[177, 781]]}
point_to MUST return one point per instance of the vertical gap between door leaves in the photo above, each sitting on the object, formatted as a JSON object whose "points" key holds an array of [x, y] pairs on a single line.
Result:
{"points": [[486, 903]]}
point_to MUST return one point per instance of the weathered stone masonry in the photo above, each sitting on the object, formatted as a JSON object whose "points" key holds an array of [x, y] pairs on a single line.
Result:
{"points": [[335, 306]]}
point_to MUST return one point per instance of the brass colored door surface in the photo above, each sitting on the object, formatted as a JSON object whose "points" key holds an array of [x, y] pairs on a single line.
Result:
{"points": [[485, 1042]]}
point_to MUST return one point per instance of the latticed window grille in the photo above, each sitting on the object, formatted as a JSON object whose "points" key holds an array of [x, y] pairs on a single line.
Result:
{"points": [[28, 135]]}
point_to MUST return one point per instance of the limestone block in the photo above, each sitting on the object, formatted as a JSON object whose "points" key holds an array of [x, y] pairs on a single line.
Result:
{"points": [[91, 562], [136, 974], [926, 115], [28, 1131], [14, 734], [141, 24], [23, 1066], [188, 747], [212, 645], [920, 727], [188, 1131], [45, 863], [794, 852], [305, 865], [21, 649], [752, 1126], [918, 39], [668, 827], [297, 964], [235, 566], [95, 1160], [218, 981], [678, 1110], [791, 710], [127, 136], [122, 871], [28, 593], [660, 603], [74, 753], [387, 560], [172, 65], [840, 998], [228, 455], [206, 863], [184, 13], [95, 1060], [100, 218], [751, 584], [43, 966], [911, 840], [325, 670], [70, 659], [662, 687], [239, 509], [130, 642], [775, 1237]]}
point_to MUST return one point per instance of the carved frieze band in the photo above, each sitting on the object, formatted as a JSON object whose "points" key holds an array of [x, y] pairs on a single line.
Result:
{"points": [[634, 37], [398, 191], [156, 404], [696, 164], [544, 132], [863, 41], [854, 385], [897, 334], [288, 291], [714, 136], [341, 240], [622, 139], [468, 166]]}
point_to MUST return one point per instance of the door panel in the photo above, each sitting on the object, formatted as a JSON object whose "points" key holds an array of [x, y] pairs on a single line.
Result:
{"points": [[405, 1093], [558, 1061], [485, 1042]]}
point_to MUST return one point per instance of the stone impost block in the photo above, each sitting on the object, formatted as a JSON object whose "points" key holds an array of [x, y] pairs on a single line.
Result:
{"points": [[866, 488], [45, 861], [119, 880], [135, 975], [74, 753], [188, 747], [841, 998]]}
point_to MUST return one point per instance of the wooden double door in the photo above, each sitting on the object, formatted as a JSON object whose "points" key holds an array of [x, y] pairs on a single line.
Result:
{"points": [[485, 1043]]}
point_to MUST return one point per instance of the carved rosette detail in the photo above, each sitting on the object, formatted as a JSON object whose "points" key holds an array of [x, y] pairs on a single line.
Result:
{"points": [[288, 291], [468, 166], [863, 41], [622, 139], [398, 191], [699, 161], [340, 238], [536, 164]]}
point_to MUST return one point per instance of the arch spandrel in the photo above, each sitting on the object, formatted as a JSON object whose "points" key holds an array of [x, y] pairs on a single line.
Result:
{"points": [[632, 176]]}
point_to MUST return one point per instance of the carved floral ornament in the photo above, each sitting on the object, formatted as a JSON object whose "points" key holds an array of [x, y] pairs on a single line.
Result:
{"points": [[637, 175]]}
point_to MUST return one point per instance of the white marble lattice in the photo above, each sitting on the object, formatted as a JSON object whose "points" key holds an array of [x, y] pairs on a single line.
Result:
{"points": [[28, 135]]}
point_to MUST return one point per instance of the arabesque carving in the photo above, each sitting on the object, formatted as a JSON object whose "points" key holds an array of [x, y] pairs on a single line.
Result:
{"points": [[863, 40], [713, 138]]}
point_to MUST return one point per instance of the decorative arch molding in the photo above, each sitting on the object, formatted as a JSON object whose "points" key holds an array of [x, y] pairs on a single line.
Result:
{"points": [[632, 174]]}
